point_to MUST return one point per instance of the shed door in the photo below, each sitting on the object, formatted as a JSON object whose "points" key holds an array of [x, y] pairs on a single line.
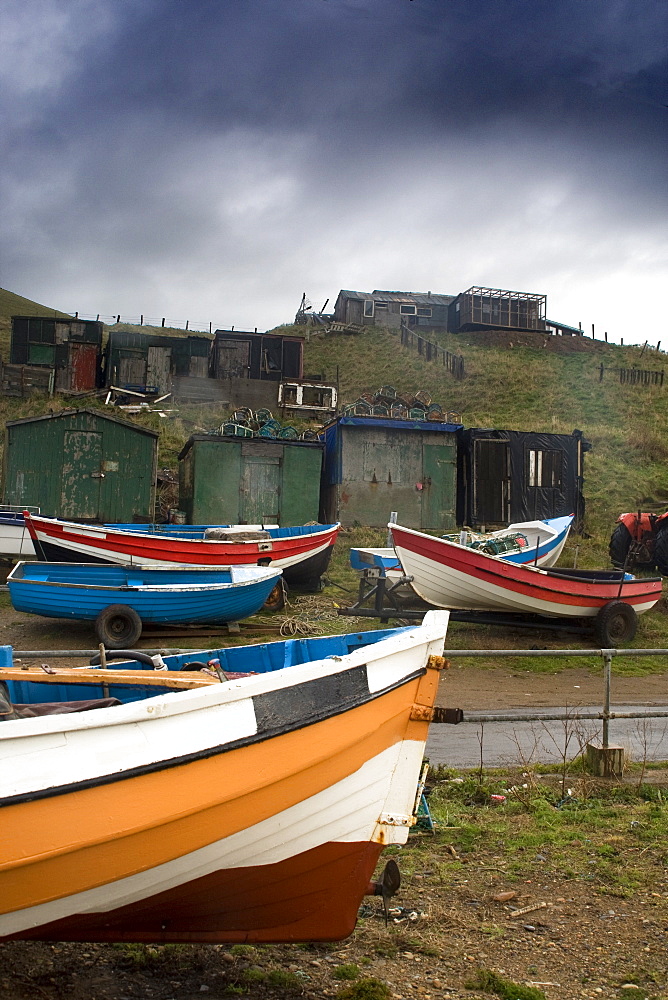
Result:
{"points": [[83, 362], [438, 486], [158, 369], [81, 475], [491, 482], [260, 490], [131, 370], [233, 360]]}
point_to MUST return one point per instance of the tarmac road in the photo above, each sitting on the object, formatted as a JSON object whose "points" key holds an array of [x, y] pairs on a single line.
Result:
{"points": [[539, 740]]}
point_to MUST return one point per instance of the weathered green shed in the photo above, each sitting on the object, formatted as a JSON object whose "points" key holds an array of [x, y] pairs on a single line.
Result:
{"points": [[82, 465], [230, 480], [376, 465]]}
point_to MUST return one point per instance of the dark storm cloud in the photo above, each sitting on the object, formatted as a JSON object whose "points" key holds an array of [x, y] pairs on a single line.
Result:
{"points": [[260, 144]]}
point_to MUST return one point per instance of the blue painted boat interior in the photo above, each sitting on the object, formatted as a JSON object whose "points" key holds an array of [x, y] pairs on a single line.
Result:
{"points": [[196, 531], [258, 659], [116, 575]]}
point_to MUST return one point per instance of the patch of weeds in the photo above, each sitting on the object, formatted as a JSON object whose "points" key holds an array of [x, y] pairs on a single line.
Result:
{"points": [[284, 979], [366, 989], [386, 949], [254, 976], [147, 956], [234, 991], [492, 982], [348, 971], [492, 930], [242, 950], [634, 993]]}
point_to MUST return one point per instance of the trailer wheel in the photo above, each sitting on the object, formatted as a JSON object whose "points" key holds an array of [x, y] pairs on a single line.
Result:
{"points": [[620, 542], [118, 626], [615, 623], [276, 599], [661, 551]]}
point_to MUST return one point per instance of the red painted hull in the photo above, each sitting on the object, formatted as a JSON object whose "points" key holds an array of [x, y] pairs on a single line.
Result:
{"points": [[457, 577], [313, 896], [301, 556]]}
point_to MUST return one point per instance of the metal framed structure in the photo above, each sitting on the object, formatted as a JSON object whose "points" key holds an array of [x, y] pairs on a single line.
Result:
{"points": [[498, 307]]}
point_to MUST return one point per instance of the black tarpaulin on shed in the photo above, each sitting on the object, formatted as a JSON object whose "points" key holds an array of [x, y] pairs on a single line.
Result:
{"points": [[509, 476]]}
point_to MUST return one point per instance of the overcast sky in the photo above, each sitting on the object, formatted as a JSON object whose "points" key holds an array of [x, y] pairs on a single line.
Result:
{"points": [[211, 160]]}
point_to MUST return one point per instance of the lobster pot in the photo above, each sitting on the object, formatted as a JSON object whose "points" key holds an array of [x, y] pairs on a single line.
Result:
{"points": [[230, 480]]}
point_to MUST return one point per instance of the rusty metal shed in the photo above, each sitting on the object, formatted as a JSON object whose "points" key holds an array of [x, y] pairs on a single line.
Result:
{"points": [[374, 466], [81, 465], [70, 347], [509, 476], [232, 480]]}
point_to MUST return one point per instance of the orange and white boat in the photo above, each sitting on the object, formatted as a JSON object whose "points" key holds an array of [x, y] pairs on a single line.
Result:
{"points": [[252, 809]]}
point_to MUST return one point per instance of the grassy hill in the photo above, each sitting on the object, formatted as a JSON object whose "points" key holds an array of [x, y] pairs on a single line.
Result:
{"points": [[516, 381]]}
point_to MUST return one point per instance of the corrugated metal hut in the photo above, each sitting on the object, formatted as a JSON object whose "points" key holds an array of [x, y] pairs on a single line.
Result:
{"points": [[377, 465], [72, 347], [148, 362], [484, 308], [421, 309], [231, 480], [82, 465], [268, 356], [508, 476]]}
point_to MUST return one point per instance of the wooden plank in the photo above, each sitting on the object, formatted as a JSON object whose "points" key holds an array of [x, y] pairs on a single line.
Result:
{"points": [[183, 679]]}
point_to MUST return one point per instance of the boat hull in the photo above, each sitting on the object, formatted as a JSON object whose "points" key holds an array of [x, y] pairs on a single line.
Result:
{"points": [[455, 577], [161, 595], [253, 810], [302, 553]]}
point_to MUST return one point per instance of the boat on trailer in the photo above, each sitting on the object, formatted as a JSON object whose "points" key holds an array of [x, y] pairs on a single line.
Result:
{"points": [[119, 599], [537, 542], [242, 805], [302, 552], [459, 578]]}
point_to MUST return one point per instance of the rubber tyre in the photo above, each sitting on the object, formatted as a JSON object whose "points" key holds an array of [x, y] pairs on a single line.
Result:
{"points": [[661, 551], [620, 542], [118, 626], [616, 623], [276, 599]]}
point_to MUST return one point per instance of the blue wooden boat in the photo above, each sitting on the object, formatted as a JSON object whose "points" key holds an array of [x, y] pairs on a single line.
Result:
{"points": [[120, 597]]}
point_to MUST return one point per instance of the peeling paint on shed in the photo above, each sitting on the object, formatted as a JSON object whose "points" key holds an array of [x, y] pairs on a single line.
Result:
{"points": [[229, 480], [374, 466], [81, 465]]}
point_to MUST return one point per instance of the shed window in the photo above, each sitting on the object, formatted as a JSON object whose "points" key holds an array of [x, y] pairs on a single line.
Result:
{"points": [[546, 469], [368, 308], [41, 354], [407, 310], [424, 311]]}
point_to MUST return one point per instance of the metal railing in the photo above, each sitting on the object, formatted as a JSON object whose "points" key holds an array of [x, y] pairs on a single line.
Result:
{"points": [[605, 714]]}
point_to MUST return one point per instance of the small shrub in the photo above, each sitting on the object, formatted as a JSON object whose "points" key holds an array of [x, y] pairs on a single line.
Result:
{"points": [[492, 982], [366, 989], [287, 980], [242, 950], [349, 971]]}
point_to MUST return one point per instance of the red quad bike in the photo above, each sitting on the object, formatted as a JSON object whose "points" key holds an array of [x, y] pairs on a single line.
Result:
{"points": [[641, 540]]}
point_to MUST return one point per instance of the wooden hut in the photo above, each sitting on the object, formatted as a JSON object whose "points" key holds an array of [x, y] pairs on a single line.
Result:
{"points": [[71, 348], [239, 480], [81, 465], [508, 476], [375, 465]]}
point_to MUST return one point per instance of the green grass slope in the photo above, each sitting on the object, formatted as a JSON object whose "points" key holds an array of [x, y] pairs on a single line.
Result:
{"points": [[16, 305], [527, 386]]}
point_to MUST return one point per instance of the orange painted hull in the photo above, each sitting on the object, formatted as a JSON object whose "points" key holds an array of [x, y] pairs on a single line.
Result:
{"points": [[271, 836]]}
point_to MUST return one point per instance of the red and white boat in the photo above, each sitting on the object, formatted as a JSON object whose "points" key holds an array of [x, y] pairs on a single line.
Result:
{"points": [[302, 552], [459, 578]]}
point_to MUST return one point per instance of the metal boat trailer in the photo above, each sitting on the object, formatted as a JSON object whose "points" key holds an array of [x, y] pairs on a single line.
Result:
{"points": [[378, 600]]}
